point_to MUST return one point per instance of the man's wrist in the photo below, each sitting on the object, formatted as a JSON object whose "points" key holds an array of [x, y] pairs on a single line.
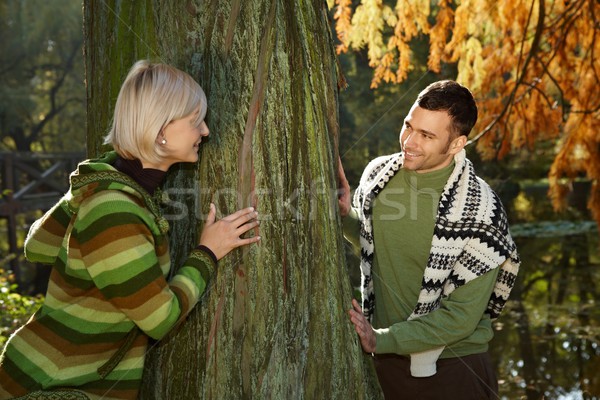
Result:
{"points": [[384, 342]]}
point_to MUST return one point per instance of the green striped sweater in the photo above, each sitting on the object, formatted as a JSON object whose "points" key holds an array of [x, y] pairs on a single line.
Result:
{"points": [[107, 244]]}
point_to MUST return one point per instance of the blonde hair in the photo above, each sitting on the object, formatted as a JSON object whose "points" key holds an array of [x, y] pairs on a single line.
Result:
{"points": [[151, 96]]}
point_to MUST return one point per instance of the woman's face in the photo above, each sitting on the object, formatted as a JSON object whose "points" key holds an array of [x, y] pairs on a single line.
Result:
{"points": [[183, 137]]}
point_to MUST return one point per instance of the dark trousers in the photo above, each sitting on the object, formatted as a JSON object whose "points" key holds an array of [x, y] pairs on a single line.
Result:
{"points": [[461, 378]]}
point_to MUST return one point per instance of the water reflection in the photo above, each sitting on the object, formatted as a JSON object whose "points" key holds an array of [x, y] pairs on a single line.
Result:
{"points": [[547, 342]]}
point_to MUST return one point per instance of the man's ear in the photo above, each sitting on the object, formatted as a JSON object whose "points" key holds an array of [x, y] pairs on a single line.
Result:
{"points": [[457, 144]]}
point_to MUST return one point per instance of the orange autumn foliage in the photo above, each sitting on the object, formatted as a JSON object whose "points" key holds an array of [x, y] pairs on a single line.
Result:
{"points": [[532, 65]]}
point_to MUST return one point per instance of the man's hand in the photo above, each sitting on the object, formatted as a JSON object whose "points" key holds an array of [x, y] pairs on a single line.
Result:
{"points": [[343, 191], [363, 328]]}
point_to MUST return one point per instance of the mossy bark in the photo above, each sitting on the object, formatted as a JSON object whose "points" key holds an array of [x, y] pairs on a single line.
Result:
{"points": [[273, 323]]}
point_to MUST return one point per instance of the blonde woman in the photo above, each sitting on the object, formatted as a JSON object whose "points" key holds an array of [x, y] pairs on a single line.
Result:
{"points": [[107, 243]]}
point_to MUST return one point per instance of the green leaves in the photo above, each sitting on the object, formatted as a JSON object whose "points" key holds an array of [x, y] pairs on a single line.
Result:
{"points": [[15, 309]]}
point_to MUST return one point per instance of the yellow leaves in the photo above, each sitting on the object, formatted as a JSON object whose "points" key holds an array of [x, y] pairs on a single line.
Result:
{"points": [[342, 16], [383, 70], [366, 29], [439, 34], [390, 57], [471, 67], [463, 24], [412, 18], [389, 17], [513, 17], [404, 64]]}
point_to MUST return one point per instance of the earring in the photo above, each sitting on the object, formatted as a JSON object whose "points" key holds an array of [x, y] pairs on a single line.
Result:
{"points": [[164, 141]]}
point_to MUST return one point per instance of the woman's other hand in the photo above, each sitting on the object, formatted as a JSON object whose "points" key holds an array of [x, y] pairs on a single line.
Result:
{"points": [[223, 235]]}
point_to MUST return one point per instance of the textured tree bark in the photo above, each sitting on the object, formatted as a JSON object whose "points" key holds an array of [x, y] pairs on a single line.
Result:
{"points": [[274, 322]]}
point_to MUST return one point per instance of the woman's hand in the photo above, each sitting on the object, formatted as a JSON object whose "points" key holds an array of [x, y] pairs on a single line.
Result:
{"points": [[223, 235]]}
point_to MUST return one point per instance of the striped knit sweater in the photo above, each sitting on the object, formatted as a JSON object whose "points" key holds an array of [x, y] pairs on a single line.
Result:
{"points": [[107, 294]]}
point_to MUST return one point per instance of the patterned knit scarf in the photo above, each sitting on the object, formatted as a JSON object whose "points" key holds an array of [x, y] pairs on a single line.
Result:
{"points": [[470, 237]]}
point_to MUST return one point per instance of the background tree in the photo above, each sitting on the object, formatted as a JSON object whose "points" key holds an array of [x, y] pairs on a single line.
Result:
{"points": [[41, 76], [274, 324], [42, 109], [531, 64]]}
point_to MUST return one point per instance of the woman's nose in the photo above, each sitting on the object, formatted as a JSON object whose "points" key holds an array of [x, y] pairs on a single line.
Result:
{"points": [[204, 131]]}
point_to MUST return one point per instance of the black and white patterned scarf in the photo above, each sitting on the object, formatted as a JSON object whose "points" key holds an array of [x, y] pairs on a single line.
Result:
{"points": [[470, 237]]}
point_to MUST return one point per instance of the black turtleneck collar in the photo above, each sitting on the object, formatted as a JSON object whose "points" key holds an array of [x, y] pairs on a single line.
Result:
{"points": [[148, 178]]}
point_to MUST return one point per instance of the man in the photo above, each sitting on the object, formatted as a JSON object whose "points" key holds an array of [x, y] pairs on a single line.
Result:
{"points": [[437, 260]]}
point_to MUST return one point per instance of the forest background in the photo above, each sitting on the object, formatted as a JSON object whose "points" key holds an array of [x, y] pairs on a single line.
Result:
{"points": [[532, 66]]}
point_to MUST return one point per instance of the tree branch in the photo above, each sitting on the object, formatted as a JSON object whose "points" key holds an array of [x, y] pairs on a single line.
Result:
{"points": [[556, 84], [54, 109], [534, 86]]}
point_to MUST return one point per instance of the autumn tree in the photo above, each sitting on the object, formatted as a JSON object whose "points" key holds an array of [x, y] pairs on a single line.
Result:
{"points": [[274, 322], [532, 65]]}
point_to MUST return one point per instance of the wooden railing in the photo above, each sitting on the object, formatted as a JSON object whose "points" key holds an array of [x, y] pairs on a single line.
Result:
{"points": [[32, 181]]}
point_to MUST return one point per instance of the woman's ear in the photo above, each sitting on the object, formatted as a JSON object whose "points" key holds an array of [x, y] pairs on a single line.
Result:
{"points": [[161, 139]]}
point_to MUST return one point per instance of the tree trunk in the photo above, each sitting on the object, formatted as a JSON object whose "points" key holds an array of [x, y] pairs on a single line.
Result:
{"points": [[274, 322]]}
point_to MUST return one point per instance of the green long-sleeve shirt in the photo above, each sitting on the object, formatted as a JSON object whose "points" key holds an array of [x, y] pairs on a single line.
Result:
{"points": [[403, 222]]}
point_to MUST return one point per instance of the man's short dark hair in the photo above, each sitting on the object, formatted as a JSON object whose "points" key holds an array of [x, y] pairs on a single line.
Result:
{"points": [[453, 98]]}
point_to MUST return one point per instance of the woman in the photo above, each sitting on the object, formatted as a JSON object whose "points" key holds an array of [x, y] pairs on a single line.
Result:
{"points": [[108, 245]]}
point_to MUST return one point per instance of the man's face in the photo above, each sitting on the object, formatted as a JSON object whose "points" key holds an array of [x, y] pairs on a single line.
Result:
{"points": [[427, 141]]}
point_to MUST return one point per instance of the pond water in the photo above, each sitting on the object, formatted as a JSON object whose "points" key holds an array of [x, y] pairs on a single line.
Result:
{"points": [[547, 342]]}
